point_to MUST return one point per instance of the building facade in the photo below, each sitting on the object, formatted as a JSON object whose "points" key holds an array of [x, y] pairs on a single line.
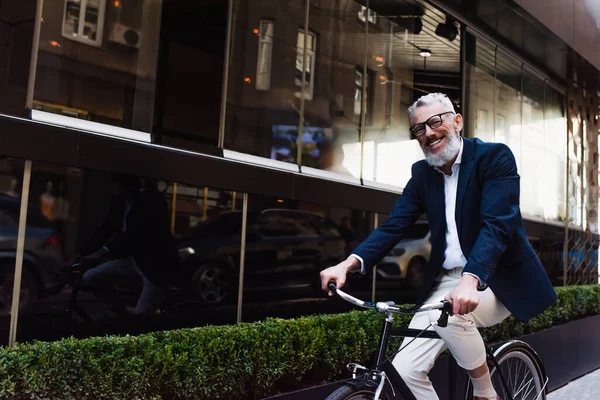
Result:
{"points": [[275, 135]]}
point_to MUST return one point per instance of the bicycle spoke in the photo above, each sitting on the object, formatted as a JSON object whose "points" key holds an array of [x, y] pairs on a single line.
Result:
{"points": [[520, 375]]}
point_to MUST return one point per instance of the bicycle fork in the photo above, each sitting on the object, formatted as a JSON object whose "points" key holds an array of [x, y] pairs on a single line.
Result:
{"points": [[380, 376]]}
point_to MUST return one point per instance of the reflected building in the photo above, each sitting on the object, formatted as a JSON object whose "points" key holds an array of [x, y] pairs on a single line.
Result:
{"points": [[275, 137]]}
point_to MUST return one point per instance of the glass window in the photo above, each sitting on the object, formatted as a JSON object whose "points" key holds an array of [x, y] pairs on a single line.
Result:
{"points": [[555, 131], [415, 52], [190, 73], [119, 254], [575, 161], [480, 70], [533, 145], [508, 104], [266, 123], [16, 36], [523, 31], [97, 63]]}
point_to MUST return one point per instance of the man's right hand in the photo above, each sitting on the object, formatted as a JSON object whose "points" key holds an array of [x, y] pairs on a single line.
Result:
{"points": [[338, 273]]}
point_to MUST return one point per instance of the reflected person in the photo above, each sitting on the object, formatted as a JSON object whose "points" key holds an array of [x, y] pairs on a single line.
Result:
{"points": [[134, 242]]}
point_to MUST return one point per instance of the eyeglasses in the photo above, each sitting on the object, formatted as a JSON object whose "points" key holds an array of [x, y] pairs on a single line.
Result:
{"points": [[434, 122]]}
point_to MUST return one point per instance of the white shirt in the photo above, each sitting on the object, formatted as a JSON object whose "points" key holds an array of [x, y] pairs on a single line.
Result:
{"points": [[453, 256]]}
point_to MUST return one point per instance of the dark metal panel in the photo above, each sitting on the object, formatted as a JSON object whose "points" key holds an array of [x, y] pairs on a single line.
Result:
{"points": [[480, 30], [25, 139], [568, 351], [116, 155], [316, 190], [22, 138]]}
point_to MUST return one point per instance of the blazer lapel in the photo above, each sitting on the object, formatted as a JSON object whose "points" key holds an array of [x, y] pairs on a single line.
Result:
{"points": [[466, 167]]}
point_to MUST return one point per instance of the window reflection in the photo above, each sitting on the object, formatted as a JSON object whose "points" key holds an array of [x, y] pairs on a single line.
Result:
{"points": [[124, 254], [288, 244], [480, 69], [97, 61], [410, 56], [510, 104], [533, 145], [266, 122], [11, 177], [575, 182], [555, 153]]}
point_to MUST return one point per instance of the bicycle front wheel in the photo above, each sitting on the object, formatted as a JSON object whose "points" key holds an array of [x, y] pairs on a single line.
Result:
{"points": [[358, 389], [519, 374]]}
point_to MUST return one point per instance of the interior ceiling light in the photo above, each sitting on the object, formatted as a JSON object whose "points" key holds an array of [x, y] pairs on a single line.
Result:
{"points": [[425, 52]]}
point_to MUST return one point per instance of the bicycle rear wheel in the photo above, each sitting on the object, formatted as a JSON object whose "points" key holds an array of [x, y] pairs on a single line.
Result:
{"points": [[522, 373], [358, 389]]}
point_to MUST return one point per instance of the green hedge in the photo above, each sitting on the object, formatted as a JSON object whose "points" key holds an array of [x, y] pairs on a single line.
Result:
{"points": [[249, 360]]}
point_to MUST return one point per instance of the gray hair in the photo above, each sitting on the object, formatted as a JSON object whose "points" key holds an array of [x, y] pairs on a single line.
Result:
{"points": [[430, 99]]}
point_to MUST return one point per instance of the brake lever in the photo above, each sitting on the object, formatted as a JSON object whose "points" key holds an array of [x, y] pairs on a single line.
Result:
{"points": [[443, 320]]}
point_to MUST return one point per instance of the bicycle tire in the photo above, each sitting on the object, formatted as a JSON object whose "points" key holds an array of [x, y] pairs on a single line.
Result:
{"points": [[358, 389], [520, 353]]}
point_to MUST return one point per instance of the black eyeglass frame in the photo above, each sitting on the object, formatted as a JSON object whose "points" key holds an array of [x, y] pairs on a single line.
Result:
{"points": [[412, 128]]}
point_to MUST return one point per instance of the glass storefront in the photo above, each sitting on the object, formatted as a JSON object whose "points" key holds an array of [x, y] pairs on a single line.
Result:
{"points": [[509, 103], [344, 82], [321, 87], [109, 253]]}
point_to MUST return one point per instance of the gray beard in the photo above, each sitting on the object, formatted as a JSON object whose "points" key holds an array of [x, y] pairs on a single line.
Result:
{"points": [[450, 151]]}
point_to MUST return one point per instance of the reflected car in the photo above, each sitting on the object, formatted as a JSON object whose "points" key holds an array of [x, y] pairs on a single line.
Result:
{"points": [[285, 251], [42, 258], [406, 262]]}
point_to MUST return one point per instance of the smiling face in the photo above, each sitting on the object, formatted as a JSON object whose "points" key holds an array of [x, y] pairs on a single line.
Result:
{"points": [[442, 144]]}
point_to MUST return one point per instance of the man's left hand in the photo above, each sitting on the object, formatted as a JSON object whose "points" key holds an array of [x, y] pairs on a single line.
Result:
{"points": [[464, 297]]}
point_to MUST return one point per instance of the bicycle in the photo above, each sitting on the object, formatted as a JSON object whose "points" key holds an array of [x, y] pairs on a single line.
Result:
{"points": [[516, 370]]}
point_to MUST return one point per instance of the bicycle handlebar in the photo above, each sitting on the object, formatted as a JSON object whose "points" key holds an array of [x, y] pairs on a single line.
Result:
{"points": [[389, 307]]}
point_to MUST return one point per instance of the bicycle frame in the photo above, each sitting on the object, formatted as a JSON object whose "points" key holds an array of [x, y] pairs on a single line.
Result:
{"points": [[379, 375]]}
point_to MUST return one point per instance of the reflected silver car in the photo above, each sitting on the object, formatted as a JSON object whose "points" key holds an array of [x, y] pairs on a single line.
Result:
{"points": [[408, 259]]}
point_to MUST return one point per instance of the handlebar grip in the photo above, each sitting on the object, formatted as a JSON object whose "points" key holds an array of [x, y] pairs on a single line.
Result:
{"points": [[332, 285]]}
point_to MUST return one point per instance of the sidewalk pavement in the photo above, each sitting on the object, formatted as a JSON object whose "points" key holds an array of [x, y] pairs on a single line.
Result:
{"points": [[586, 387]]}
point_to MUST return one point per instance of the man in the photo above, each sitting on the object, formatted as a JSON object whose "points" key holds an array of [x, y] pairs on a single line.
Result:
{"points": [[134, 242], [481, 259]]}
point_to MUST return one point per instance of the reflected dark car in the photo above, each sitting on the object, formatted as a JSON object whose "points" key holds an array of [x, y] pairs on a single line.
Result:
{"points": [[285, 251], [41, 260]]}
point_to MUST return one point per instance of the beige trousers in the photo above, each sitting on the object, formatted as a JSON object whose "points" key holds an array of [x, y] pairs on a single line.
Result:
{"points": [[461, 337]]}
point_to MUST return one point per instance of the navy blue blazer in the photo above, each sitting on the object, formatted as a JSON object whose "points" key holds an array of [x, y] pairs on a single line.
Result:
{"points": [[490, 228]]}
